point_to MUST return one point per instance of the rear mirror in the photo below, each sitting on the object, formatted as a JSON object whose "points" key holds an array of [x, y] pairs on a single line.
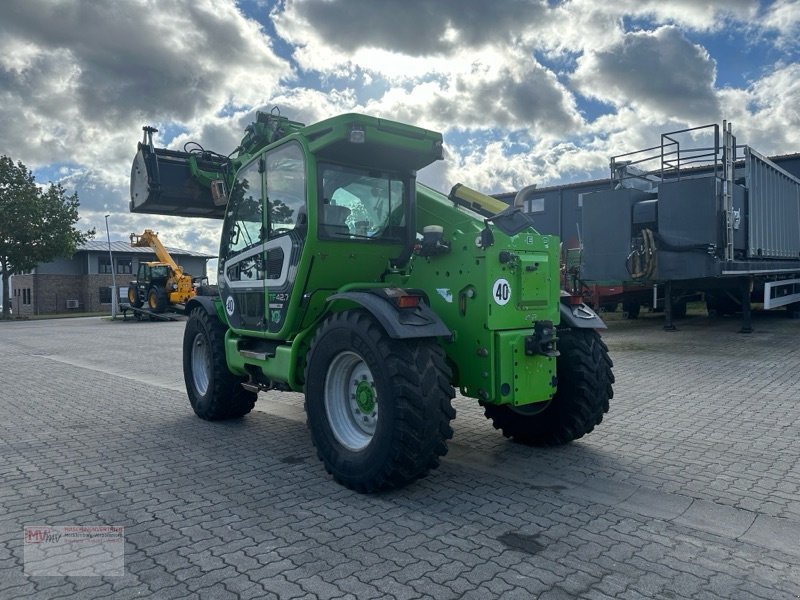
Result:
{"points": [[219, 194]]}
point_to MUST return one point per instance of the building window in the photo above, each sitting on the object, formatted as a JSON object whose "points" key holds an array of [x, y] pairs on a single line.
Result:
{"points": [[124, 266], [26, 296], [104, 264], [534, 205], [105, 295]]}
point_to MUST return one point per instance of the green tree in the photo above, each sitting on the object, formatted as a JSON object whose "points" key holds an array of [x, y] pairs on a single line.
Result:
{"points": [[36, 225]]}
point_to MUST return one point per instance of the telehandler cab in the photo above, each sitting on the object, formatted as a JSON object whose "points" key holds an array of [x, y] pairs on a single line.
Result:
{"points": [[342, 277]]}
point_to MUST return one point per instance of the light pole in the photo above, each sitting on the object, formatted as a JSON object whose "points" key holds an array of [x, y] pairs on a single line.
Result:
{"points": [[113, 277]]}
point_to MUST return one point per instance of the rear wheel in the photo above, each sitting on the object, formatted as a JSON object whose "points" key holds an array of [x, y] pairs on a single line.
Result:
{"points": [[584, 390], [378, 408], [214, 392], [157, 299], [133, 297]]}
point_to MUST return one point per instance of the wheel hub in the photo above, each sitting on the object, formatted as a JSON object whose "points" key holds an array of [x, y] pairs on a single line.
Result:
{"points": [[365, 396], [351, 401]]}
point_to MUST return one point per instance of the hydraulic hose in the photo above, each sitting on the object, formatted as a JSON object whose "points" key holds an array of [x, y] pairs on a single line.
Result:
{"points": [[641, 262]]}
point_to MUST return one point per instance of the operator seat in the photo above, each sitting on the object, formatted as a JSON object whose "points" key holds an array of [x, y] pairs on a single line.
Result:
{"points": [[334, 220]]}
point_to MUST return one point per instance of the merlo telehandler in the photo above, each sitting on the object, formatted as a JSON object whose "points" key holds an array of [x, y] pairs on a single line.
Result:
{"points": [[342, 277]]}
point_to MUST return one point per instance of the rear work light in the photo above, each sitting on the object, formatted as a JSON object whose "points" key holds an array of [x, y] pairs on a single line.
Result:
{"points": [[407, 301]]}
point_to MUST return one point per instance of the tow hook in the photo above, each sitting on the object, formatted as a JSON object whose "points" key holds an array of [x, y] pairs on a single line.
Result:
{"points": [[543, 340]]}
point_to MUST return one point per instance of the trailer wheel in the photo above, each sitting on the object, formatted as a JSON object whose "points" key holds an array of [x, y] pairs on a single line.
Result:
{"points": [[631, 309], [157, 299], [721, 303], [584, 389], [133, 297], [679, 309], [214, 392], [378, 408]]}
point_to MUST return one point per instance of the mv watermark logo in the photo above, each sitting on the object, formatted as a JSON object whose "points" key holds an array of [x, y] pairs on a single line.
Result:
{"points": [[74, 550], [42, 535]]}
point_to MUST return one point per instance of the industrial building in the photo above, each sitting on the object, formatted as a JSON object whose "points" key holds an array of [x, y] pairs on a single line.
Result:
{"points": [[83, 283]]}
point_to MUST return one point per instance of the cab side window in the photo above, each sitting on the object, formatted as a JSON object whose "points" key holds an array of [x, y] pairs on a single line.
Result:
{"points": [[286, 189], [245, 219]]}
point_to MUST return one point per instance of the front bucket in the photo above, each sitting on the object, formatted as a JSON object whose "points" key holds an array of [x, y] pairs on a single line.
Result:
{"points": [[162, 184]]}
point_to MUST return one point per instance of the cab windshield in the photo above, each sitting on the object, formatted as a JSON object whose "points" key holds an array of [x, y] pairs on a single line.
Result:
{"points": [[159, 271]]}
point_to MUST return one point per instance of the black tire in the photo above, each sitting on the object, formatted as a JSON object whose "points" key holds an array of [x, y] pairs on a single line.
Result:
{"points": [[631, 309], [721, 304], [157, 299], [207, 290], [133, 297], [679, 309], [406, 381], [214, 392], [584, 389]]}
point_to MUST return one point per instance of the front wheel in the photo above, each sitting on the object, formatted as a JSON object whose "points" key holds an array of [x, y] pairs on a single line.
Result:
{"points": [[584, 390], [157, 299], [378, 408], [214, 392], [133, 297]]}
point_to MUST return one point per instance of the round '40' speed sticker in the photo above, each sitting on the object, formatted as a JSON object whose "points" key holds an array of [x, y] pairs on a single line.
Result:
{"points": [[501, 292]]}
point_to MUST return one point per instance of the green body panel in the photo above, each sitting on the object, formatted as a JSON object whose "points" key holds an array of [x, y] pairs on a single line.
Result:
{"points": [[280, 367], [487, 351]]}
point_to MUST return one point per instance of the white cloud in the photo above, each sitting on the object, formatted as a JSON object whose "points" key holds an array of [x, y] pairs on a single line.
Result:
{"points": [[78, 79], [80, 72], [767, 114], [783, 16], [707, 15], [408, 27], [498, 89], [659, 70]]}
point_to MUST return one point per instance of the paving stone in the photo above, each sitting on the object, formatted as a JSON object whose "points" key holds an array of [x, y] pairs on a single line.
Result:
{"points": [[687, 489]]}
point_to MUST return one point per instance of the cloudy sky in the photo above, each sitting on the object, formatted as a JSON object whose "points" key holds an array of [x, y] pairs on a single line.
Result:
{"points": [[524, 91]]}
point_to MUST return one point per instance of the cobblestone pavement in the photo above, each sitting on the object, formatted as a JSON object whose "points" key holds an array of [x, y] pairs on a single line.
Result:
{"points": [[689, 489]]}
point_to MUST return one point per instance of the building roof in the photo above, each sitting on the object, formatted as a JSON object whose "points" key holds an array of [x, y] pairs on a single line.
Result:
{"points": [[126, 248]]}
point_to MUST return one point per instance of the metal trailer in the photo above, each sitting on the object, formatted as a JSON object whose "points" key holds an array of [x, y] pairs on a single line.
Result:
{"points": [[696, 213]]}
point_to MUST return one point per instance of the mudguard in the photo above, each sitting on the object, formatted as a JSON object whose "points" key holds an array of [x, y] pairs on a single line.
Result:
{"points": [[206, 302], [580, 316], [399, 323]]}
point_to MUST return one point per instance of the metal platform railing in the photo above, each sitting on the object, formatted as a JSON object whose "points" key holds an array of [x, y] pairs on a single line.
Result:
{"points": [[680, 153]]}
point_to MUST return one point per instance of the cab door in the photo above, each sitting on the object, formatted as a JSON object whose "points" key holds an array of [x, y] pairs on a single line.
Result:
{"points": [[262, 241], [241, 271], [287, 227]]}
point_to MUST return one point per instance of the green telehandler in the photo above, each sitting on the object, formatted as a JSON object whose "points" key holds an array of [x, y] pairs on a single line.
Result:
{"points": [[342, 277]]}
